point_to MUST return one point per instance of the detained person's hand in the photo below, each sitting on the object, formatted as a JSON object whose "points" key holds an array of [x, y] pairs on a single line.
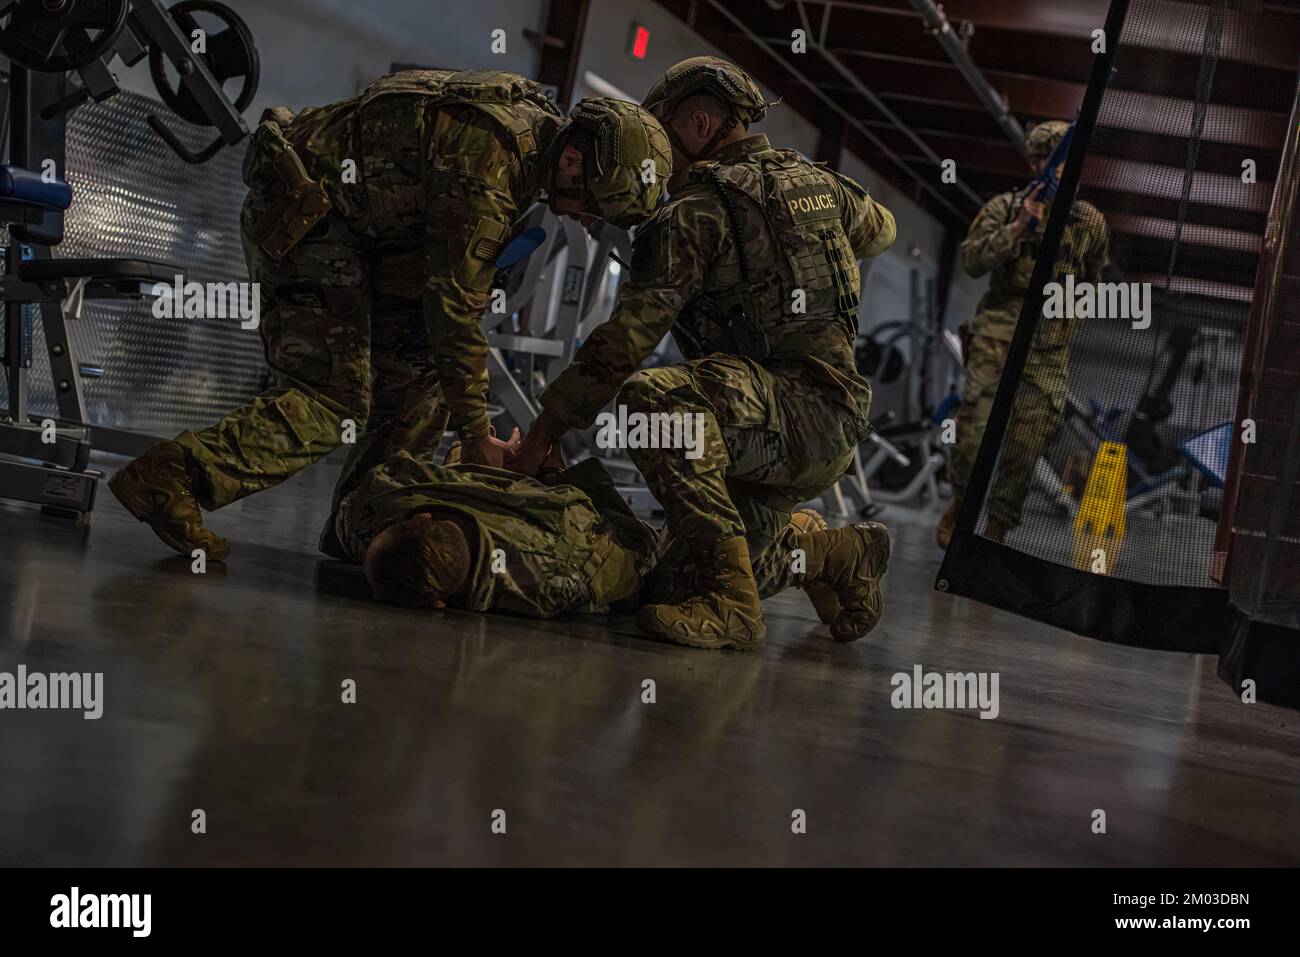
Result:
{"points": [[537, 445], [490, 450]]}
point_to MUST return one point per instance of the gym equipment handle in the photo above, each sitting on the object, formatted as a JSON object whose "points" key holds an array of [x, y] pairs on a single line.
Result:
{"points": [[180, 149]]}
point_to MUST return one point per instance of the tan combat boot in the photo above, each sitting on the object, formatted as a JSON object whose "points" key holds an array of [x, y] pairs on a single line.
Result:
{"points": [[824, 600], [158, 489], [943, 533], [850, 562], [724, 611]]}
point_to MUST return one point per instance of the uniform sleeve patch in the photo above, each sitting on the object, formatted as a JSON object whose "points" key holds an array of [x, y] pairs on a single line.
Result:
{"points": [[488, 249], [654, 252], [488, 240]]}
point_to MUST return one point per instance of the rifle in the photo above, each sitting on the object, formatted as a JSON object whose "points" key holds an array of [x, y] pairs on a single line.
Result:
{"points": [[1047, 177]]}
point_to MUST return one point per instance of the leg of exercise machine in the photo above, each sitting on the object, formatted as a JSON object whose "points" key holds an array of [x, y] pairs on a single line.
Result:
{"points": [[563, 289], [902, 458]]}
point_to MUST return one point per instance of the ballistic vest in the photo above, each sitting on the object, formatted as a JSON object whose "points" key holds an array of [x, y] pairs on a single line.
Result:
{"points": [[385, 132], [796, 288]]}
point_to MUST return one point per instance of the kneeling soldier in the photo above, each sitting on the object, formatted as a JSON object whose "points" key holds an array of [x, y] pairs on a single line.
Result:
{"points": [[372, 227], [752, 265]]}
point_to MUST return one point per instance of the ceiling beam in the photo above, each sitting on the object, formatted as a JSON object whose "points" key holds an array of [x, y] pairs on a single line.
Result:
{"points": [[1267, 39], [969, 152], [954, 208], [994, 101], [1163, 115], [566, 24], [942, 81], [1224, 217], [1076, 19], [1151, 227], [1196, 287], [1166, 182], [1262, 39]]}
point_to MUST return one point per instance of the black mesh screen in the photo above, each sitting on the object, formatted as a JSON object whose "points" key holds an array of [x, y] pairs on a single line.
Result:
{"points": [[1103, 497]]}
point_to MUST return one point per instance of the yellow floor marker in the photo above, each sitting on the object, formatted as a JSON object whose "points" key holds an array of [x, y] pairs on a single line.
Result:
{"points": [[1099, 525]]}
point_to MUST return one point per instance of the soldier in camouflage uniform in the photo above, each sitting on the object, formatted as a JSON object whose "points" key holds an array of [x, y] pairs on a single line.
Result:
{"points": [[373, 226], [485, 539], [482, 538], [1001, 241], [752, 266]]}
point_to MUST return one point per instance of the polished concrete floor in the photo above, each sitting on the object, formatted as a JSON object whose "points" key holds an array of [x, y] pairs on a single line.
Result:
{"points": [[223, 693]]}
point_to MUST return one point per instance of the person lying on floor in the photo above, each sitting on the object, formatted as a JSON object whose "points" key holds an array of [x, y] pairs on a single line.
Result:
{"points": [[479, 538], [486, 539]]}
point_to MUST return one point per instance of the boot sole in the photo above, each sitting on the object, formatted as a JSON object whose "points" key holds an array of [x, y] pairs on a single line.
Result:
{"points": [[650, 626]]}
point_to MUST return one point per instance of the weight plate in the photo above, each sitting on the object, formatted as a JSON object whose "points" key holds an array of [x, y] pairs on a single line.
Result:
{"points": [[230, 54], [54, 36]]}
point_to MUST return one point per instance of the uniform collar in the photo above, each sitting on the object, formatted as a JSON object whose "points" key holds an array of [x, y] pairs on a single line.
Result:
{"points": [[743, 147], [732, 153]]}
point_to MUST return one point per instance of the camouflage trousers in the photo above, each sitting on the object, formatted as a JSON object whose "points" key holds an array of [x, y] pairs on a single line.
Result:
{"points": [[351, 352], [770, 440], [1036, 418]]}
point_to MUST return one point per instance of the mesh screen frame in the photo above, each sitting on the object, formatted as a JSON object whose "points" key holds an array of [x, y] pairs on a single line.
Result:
{"points": [[1189, 613]]}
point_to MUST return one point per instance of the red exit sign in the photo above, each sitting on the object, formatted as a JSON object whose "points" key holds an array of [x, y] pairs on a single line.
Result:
{"points": [[639, 41]]}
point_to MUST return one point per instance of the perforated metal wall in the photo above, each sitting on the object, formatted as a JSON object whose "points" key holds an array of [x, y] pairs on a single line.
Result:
{"points": [[134, 198]]}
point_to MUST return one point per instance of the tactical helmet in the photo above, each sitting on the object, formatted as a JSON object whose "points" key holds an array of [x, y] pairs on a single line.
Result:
{"points": [[707, 74], [1043, 138], [622, 136]]}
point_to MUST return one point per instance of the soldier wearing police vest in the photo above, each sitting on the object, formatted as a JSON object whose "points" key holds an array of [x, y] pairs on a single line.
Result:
{"points": [[752, 266], [372, 226]]}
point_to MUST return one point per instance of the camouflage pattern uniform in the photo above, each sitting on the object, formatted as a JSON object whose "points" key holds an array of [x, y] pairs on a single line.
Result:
{"points": [[573, 545], [373, 313], [1041, 392], [783, 404], [570, 546], [376, 276]]}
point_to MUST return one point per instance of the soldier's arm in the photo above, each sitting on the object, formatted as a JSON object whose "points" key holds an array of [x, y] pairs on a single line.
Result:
{"points": [[869, 225], [992, 238], [469, 214], [670, 257]]}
